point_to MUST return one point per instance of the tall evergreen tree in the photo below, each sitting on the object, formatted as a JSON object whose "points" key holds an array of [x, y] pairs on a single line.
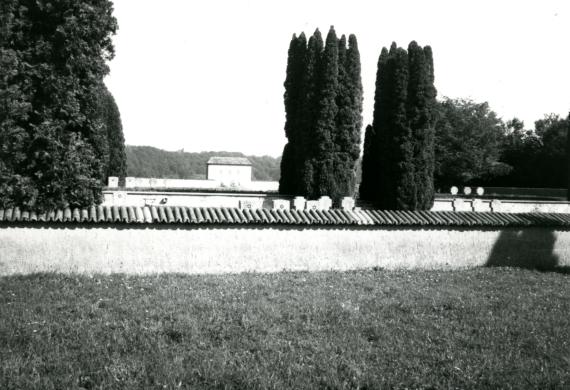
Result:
{"points": [[430, 121], [401, 138], [420, 105], [323, 159], [293, 156], [323, 104], [349, 118], [53, 58], [353, 70], [367, 191], [376, 150], [116, 161], [399, 173], [310, 111], [568, 154]]}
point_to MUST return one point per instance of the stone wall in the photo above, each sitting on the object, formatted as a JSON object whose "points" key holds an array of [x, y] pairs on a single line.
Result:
{"points": [[184, 184], [136, 249], [233, 199], [188, 199]]}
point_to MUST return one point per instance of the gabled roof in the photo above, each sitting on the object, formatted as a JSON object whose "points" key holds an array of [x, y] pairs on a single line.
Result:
{"points": [[228, 161], [338, 217]]}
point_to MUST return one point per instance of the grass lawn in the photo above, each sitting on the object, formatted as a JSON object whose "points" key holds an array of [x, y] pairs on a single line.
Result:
{"points": [[482, 328]]}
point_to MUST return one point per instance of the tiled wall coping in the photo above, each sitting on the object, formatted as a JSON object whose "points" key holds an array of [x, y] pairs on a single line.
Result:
{"points": [[261, 216]]}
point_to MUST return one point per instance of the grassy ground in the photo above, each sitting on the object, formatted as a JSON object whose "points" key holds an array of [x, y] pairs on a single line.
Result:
{"points": [[484, 328]]}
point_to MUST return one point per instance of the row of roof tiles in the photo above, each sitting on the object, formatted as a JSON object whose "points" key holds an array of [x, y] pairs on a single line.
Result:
{"points": [[224, 215]]}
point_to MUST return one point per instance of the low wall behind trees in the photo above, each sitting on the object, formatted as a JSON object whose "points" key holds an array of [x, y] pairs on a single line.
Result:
{"points": [[224, 248]]}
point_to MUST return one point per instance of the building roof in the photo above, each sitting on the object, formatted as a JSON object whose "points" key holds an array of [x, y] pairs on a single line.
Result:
{"points": [[228, 161], [338, 217]]}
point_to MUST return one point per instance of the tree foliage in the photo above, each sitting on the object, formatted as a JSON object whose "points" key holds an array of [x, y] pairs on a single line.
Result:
{"points": [[53, 58], [147, 161], [538, 157], [114, 158], [475, 147], [468, 143], [397, 170], [291, 163], [323, 122]]}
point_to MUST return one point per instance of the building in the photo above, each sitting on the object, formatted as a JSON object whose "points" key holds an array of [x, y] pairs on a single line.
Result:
{"points": [[230, 171]]}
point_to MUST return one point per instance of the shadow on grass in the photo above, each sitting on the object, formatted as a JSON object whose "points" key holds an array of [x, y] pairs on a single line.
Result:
{"points": [[530, 248]]}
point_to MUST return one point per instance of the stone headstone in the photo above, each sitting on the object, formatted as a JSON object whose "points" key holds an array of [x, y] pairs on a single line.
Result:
{"points": [[299, 203], [113, 182], [325, 203], [313, 205], [250, 204], [496, 205], [478, 205], [119, 198], [347, 203], [461, 205], [281, 204], [130, 182]]}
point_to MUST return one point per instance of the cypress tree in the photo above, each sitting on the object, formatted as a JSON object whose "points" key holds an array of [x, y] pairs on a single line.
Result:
{"points": [[325, 125], [343, 174], [419, 112], [293, 158], [353, 69], [568, 152], [395, 188], [117, 157], [398, 162], [323, 103], [376, 152], [401, 136], [309, 112], [349, 118], [431, 103], [369, 166]]}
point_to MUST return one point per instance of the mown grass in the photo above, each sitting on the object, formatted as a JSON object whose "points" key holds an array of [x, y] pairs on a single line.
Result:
{"points": [[483, 328]]}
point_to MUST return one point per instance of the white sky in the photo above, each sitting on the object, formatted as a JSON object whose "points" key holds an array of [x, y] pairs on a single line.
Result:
{"points": [[208, 75]]}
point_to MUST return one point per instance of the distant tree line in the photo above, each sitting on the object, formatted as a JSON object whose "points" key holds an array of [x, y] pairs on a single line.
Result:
{"points": [[323, 105], [60, 131], [147, 161]]}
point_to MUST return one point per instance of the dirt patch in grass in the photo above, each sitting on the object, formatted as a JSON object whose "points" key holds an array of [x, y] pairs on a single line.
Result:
{"points": [[482, 328]]}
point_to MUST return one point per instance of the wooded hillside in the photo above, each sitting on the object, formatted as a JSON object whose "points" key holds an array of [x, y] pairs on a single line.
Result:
{"points": [[147, 161]]}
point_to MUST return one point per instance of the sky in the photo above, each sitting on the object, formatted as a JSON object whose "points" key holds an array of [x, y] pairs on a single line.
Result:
{"points": [[208, 75]]}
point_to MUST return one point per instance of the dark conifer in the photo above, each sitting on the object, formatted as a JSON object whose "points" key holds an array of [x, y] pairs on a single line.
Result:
{"points": [[366, 190], [53, 60], [323, 117], [117, 158], [353, 68], [568, 153], [431, 103], [293, 158], [401, 136], [419, 107], [399, 172], [324, 160], [310, 112], [349, 118]]}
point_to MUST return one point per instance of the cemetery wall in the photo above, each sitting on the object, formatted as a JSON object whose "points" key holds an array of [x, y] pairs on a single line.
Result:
{"points": [[197, 249], [233, 199]]}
